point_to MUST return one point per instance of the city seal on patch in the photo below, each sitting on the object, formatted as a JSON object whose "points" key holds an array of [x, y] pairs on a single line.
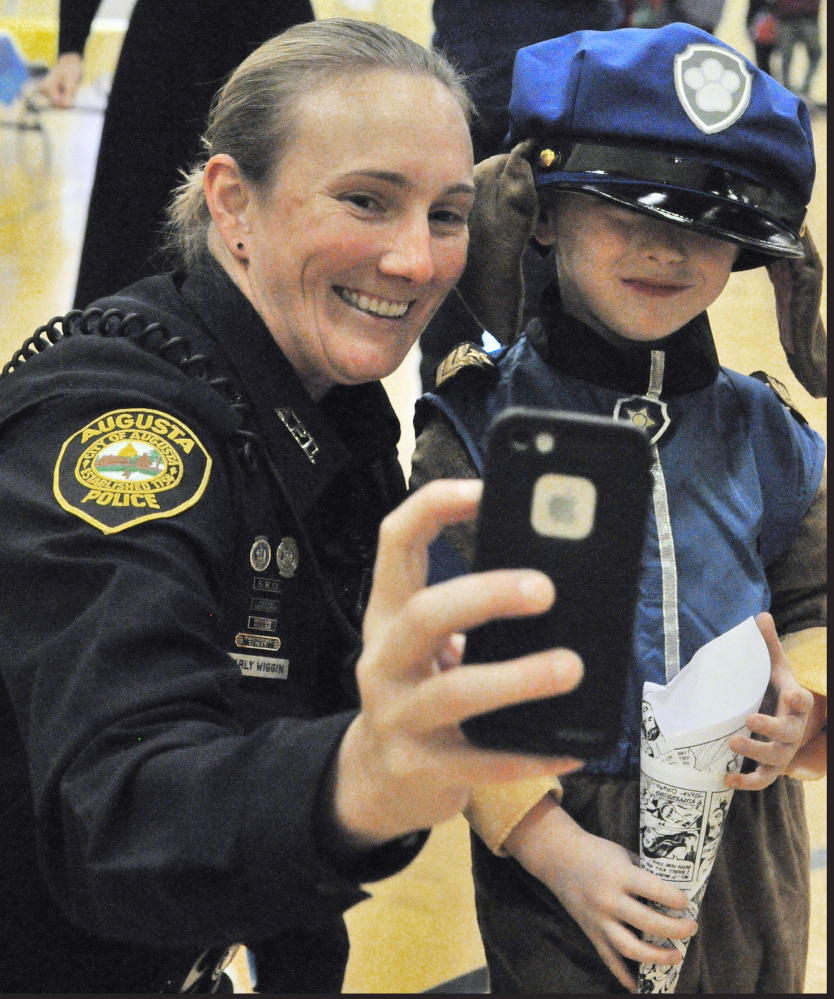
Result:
{"points": [[129, 466]]}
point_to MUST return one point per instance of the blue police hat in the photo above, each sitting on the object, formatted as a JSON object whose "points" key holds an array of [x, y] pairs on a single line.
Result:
{"points": [[673, 123]]}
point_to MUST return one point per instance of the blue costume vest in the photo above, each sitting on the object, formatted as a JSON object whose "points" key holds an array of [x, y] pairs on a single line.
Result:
{"points": [[739, 470]]}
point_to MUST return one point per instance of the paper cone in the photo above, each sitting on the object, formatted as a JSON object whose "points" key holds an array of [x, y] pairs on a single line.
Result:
{"points": [[684, 761], [680, 832]]}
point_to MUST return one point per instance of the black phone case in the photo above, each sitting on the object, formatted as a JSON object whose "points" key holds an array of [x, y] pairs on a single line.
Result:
{"points": [[597, 576]]}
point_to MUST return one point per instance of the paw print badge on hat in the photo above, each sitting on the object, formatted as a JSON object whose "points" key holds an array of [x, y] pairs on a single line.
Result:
{"points": [[713, 85]]}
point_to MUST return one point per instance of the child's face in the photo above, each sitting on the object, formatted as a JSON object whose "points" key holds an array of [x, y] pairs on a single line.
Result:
{"points": [[628, 273]]}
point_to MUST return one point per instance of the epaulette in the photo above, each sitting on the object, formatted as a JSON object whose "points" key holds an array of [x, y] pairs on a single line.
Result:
{"points": [[205, 384], [465, 355], [781, 393]]}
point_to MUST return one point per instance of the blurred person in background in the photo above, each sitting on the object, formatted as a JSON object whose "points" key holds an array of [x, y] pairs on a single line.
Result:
{"points": [[799, 24], [174, 58], [762, 29], [703, 14]]}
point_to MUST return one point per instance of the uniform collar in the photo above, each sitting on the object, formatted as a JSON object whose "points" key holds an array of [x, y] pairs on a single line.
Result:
{"points": [[300, 435], [564, 342]]}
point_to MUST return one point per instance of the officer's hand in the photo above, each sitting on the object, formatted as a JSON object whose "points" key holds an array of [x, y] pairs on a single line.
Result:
{"points": [[60, 85], [798, 288], [500, 226], [784, 731], [404, 763]]}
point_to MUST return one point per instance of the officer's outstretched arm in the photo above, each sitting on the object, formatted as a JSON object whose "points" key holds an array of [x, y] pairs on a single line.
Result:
{"points": [[404, 763]]}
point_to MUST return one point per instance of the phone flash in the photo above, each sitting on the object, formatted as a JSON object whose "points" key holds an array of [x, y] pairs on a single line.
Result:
{"points": [[544, 442], [563, 506]]}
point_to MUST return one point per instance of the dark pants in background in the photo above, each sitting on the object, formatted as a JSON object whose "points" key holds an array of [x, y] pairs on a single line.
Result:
{"points": [[175, 56]]}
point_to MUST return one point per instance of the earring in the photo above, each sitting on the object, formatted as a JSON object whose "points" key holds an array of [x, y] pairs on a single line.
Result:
{"points": [[240, 246]]}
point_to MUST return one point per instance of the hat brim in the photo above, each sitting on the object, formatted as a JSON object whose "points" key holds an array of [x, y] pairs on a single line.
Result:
{"points": [[761, 236]]}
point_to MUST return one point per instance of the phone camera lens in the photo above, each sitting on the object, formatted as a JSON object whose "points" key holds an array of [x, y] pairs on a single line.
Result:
{"points": [[544, 442], [519, 441]]}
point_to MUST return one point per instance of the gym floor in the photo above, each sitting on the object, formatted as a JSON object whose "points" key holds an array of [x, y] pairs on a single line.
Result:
{"points": [[418, 933]]}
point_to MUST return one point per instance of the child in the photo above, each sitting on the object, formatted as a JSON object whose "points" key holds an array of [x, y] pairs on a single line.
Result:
{"points": [[662, 161]]}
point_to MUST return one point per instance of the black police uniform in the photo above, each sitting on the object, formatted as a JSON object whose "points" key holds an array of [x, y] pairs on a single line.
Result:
{"points": [[187, 548]]}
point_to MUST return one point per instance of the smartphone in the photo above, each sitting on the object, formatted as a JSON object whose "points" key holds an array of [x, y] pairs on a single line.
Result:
{"points": [[568, 495]]}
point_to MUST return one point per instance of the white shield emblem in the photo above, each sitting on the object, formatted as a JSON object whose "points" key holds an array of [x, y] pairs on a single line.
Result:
{"points": [[713, 86]]}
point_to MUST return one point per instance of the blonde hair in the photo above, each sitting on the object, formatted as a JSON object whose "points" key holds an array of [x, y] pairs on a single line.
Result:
{"points": [[253, 117]]}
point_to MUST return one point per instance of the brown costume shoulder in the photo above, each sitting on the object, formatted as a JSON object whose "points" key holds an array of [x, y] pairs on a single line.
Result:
{"points": [[440, 454]]}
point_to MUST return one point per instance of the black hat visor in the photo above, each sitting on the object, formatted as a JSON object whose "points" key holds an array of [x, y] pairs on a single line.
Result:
{"points": [[702, 197]]}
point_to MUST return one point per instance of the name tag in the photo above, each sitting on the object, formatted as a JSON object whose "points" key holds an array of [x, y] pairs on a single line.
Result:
{"points": [[264, 667]]}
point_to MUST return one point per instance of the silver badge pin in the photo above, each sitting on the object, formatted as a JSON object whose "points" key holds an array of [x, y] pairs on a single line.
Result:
{"points": [[300, 434], [262, 623], [286, 557]]}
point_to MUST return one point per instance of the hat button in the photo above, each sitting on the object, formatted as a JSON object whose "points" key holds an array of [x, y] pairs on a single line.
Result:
{"points": [[547, 159]]}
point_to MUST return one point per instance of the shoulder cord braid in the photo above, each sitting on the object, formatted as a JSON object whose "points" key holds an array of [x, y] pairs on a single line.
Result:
{"points": [[155, 339], [175, 350]]}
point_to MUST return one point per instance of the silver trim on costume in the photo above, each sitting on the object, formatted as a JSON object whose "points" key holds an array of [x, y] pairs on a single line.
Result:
{"points": [[666, 540], [656, 375], [668, 569]]}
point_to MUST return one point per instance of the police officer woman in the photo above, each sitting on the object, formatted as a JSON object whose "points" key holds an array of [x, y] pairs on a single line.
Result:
{"points": [[203, 741]]}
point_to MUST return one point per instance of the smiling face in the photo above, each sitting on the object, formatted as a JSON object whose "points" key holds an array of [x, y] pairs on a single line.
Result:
{"points": [[362, 232], [624, 272]]}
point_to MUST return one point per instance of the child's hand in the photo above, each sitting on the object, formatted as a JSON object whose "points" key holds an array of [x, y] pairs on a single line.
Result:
{"points": [[601, 886], [784, 730]]}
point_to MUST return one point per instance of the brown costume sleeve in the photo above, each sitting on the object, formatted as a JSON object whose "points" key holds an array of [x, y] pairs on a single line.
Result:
{"points": [[798, 580], [806, 653], [494, 810], [798, 583], [440, 454]]}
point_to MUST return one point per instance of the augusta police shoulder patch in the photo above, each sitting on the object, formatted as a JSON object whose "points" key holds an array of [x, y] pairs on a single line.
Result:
{"points": [[129, 466]]}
